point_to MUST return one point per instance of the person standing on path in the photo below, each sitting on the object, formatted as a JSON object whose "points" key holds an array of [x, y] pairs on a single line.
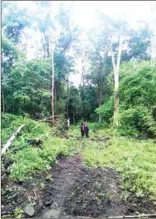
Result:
{"points": [[86, 131], [82, 130]]}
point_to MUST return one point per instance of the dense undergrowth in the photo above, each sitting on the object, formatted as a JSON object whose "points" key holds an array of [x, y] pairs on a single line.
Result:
{"points": [[133, 159], [30, 158]]}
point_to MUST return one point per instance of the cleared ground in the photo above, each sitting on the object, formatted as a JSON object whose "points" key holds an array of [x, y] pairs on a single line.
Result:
{"points": [[104, 175]]}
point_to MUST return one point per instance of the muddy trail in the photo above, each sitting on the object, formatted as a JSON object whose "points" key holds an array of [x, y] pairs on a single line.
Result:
{"points": [[79, 191], [70, 189]]}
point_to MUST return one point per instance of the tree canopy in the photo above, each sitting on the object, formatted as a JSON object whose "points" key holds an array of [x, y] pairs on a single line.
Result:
{"points": [[27, 40]]}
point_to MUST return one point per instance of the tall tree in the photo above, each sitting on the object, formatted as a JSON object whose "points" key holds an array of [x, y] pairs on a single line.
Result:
{"points": [[116, 66], [120, 32]]}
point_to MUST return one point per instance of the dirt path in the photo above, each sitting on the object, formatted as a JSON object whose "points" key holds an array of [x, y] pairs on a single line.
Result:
{"points": [[72, 189], [64, 174], [80, 191]]}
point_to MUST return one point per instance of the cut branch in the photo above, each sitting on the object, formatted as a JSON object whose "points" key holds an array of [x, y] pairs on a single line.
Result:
{"points": [[7, 145]]}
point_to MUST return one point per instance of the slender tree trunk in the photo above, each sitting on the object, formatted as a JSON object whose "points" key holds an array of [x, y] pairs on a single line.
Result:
{"points": [[116, 68], [3, 102], [116, 98], [55, 94], [99, 83], [13, 108], [73, 118], [52, 86], [100, 100], [67, 98]]}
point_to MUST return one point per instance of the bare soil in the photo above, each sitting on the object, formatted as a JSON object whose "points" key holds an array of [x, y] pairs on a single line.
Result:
{"points": [[71, 189]]}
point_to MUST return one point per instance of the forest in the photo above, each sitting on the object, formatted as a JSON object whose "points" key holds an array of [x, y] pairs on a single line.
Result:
{"points": [[103, 75]]}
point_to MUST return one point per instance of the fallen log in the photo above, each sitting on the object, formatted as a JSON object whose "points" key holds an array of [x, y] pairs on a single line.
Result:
{"points": [[7, 145]]}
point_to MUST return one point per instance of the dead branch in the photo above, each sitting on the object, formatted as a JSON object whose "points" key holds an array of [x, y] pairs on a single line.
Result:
{"points": [[6, 146]]}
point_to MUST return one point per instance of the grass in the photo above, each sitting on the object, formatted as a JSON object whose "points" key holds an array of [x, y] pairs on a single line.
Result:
{"points": [[134, 160], [29, 159]]}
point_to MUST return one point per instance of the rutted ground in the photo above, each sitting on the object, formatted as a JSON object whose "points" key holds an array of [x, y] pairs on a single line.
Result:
{"points": [[80, 191], [70, 188], [83, 181]]}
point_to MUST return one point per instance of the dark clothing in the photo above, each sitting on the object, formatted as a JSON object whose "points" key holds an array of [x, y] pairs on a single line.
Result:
{"points": [[82, 130], [82, 133], [86, 131]]}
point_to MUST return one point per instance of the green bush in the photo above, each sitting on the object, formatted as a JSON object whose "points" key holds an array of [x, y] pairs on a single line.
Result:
{"points": [[137, 120], [106, 111], [9, 124], [27, 161], [137, 95]]}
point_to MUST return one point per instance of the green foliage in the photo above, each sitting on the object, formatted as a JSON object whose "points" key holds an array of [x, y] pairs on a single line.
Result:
{"points": [[138, 84], [26, 92], [60, 127], [139, 44], [137, 120], [137, 100], [95, 126], [133, 159], [26, 84], [14, 21], [74, 105], [18, 213], [9, 51], [31, 159], [9, 124], [106, 110], [27, 161]]}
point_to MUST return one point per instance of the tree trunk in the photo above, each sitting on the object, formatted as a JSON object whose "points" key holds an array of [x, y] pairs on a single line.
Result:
{"points": [[99, 83], [52, 87], [3, 102], [73, 118], [100, 99], [55, 94], [13, 108], [99, 118], [99, 96], [116, 68], [116, 98], [67, 98]]}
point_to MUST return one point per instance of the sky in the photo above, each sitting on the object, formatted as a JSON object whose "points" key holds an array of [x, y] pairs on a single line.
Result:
{"points": [[129, 10], [83, 12], [132, 11]]}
